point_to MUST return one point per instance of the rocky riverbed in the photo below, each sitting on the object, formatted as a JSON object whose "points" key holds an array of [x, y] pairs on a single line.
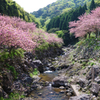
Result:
{"points": [[81, 72], [71, 70]]}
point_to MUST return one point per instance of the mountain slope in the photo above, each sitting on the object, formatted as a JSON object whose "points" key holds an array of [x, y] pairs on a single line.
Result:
{"points": [[11, 8], [58, 8]]}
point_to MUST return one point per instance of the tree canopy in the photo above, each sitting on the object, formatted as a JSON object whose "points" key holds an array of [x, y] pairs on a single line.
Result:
{"points": [[11, 8], [17, 33], [86, 24]]}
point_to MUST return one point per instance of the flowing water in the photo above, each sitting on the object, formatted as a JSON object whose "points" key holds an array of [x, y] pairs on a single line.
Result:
{"points": [[48, 92]]}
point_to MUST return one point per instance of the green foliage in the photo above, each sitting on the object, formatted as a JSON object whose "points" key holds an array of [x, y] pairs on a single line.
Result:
{"points": [[12, 69], [31, 75], [92, 5], [43, 47], [18, 52], [10, 55], [87, 42], [91, 59], [69, 80], [62, 21], [35, 72], [83, 67], [66, 10], [12, 96], [60, 34], [91, 63], [97, 3], [53, 30], [4, 56], [89, 47], [57, 8], [73, 62], [84, 63], [11, 8]]}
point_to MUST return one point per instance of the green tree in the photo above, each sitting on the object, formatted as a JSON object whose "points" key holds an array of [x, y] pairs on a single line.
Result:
{"points": [[92, 5]]}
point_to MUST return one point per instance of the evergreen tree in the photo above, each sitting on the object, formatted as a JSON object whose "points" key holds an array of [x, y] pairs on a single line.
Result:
{"points": [[11, 8], [92, 5], [62, 22]]}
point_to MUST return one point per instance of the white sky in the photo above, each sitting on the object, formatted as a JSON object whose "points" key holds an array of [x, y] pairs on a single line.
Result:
{"points": [[33, 5]]}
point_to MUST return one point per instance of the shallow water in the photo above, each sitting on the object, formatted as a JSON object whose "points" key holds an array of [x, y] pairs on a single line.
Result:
{"points": [[48, 92]]}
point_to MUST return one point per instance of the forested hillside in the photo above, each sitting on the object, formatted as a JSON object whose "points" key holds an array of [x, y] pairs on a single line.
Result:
{"points": [[62, 22], [57, 8], [11, 8]]}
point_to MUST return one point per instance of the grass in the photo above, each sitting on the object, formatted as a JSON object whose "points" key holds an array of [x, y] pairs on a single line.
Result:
{"points": [[91, 59], [89, 47], [15, 96], [83, 67], [84, 63], [73, 62], [91, 63]]}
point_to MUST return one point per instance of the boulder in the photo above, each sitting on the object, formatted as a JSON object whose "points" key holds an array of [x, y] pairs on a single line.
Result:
{"points": [[95, 88], [38, 64], [26, 79], [7, 81], [62, 66], [70, 90], [28, 98], [82, 82], [25, 68], [18, 86], [3, 93], [36, 79], [62, 87], [28, 55], [81, 97], [97, 79], [52, 68], [94, 72], [59, 81]]}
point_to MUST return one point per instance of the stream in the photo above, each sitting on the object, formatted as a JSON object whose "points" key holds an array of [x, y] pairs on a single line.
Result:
{"points": [[49, 92]]}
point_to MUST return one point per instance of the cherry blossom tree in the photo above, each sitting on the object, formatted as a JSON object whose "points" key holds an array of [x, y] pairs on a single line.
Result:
{"points": [[16, 33], [86, 24]]}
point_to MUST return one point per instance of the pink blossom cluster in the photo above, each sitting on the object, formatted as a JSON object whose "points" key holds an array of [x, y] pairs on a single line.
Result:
{"points": [[86, 24], [18, 23], [41, 37], [18, 33], [13, 33]]}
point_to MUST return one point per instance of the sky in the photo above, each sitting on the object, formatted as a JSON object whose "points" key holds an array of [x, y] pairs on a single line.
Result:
{"points": [[33, 5]]}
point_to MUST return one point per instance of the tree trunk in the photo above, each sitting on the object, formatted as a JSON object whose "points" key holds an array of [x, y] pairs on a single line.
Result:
{"points": [[89, 35], [98, 33], [85, 36]]}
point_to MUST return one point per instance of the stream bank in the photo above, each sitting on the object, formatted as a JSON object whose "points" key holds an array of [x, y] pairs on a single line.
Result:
{"points": [[81, 68], [15, 76], [46, 90], [76, 74], [81, 72]]}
